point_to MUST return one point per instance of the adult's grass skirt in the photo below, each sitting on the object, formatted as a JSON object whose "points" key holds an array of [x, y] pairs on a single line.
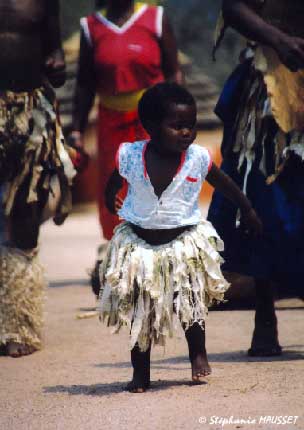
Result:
{"points": [[22, 290], [144, 286], [32, 155]]}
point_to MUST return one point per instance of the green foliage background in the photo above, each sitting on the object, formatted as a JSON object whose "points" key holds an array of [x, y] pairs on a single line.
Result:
{"points": [[193, 22]]}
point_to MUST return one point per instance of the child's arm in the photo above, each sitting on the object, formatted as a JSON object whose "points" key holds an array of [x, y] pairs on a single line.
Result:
{"points": [[225, 185], [115, 183]]}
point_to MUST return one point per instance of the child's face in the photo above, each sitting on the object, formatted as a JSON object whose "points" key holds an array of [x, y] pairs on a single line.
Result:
{"points": [[178, 129]]}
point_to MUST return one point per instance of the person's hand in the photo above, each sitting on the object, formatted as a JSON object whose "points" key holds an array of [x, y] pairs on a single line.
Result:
{"points": [[118, 203], [80, 160], [290, 51], [55, 69], [75, 140], [79, 157], [251, 223]]}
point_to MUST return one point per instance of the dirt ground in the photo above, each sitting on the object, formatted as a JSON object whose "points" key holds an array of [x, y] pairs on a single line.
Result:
{"points": [[77, 380]]}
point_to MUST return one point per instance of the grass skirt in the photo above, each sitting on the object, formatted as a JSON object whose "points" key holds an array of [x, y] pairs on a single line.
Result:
{"points": [[143, 286], [21, 297]]}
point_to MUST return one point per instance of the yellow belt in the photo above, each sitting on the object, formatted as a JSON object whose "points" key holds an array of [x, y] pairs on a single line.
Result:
{"points": [[122, 102]]}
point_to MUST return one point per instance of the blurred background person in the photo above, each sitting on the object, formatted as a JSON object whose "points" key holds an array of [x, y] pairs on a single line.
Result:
{"points": [[31, 157], [263, 150], [125, 47]]}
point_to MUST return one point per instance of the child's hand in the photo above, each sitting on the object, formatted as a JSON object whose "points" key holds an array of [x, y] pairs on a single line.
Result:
{"points": [[118, 203], [251, 223]]}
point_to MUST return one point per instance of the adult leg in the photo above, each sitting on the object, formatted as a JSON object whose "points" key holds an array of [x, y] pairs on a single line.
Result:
{"points": [[141, 370], [22, 280], [265, 335], [196, 338], [22, 285]]}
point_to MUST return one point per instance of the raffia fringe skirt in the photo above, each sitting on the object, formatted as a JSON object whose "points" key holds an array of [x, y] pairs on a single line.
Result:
{"points": [[22, 289], [144, 286]]}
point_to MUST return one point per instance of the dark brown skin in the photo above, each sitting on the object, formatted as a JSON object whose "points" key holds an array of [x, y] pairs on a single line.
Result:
{"points": [[30, 45], [163, 156], [215, 177], [118, 12], [169, 140], [30, 53], [242, 16]]}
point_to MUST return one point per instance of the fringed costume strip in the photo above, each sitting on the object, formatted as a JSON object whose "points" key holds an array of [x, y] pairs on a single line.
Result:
{"points": [[22, 286], [30, 144], [143, 286]]}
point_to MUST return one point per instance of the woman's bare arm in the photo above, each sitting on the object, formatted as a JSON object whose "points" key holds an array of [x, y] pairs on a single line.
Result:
{"points": [[168, 48], [84, 91], [242, 16], [54, 56]]}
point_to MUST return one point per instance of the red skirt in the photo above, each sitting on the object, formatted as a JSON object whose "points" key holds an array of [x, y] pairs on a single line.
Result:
{"points": [[114, 127]]}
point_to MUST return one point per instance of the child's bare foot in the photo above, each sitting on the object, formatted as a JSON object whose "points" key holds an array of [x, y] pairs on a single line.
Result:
{"points": [[141, 370], [136, 386], [200, 367], [195, 336], [15, 350]]}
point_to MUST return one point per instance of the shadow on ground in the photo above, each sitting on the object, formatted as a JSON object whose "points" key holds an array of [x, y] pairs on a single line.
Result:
{"points": [[290, 353], [114, 387], [69, 283], [169, 364]]}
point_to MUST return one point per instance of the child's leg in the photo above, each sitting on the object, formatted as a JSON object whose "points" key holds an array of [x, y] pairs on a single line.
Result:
{"points": [[141, 370], [140, 362], [265, 336], [195, 336]]}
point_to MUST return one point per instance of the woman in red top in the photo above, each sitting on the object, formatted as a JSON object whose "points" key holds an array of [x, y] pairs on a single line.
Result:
{"points": [[124, 49]]}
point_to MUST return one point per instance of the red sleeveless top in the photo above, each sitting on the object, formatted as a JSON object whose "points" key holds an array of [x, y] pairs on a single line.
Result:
{"points": [[127, 58]]}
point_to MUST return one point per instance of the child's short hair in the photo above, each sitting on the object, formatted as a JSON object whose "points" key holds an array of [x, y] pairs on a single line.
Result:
{"points": [[153, 105]]}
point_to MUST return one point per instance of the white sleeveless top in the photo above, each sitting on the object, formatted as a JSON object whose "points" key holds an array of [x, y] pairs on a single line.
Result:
{"points": [[178, 204]]}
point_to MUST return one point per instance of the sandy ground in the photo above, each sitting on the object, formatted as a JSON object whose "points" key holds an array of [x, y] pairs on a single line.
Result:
{"points": [[77, 380]]}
